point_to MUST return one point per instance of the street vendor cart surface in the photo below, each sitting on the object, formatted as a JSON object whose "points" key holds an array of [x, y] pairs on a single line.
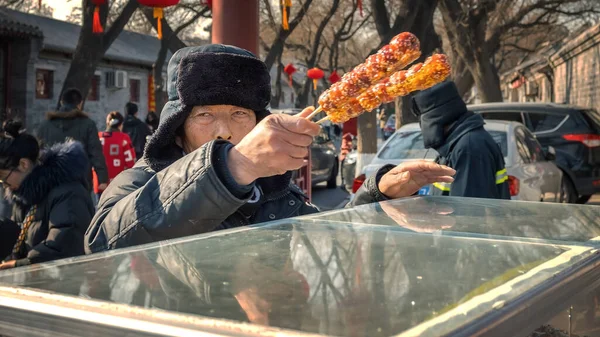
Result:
{"points": [[413, 267]]}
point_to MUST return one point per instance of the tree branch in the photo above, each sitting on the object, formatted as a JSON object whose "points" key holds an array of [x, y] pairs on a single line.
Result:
{"points": [[117, 27]]}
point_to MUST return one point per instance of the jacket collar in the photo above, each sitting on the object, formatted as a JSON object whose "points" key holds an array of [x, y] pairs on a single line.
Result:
{"points": [[65, 114], [62, 163]]}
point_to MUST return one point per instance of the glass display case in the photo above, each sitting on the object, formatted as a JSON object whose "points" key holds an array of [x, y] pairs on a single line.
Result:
{"points": [[426, 266]]}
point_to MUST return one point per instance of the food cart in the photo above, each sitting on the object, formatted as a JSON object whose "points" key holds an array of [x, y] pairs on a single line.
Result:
{"points": [[423, 266]]}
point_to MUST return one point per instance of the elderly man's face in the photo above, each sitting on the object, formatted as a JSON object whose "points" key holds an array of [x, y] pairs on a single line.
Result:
{"points": [[210, 122]]}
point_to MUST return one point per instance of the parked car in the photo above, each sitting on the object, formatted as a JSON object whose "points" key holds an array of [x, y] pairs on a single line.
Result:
{"points": [[324, 154], [532, 174], [390, 127], [574, 132]]}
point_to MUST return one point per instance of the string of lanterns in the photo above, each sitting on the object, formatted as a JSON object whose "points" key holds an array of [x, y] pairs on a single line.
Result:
{"points": [[314, 74]]}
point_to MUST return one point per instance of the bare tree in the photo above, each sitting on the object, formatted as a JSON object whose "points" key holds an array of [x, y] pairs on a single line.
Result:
{"points": [[315, 54], [170, 42], [275, 49], [392, 18], [476, 30], [91, 47], [28, 6]]}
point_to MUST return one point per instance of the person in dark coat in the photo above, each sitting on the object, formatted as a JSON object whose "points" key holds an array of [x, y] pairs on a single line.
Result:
{"points": [[462, 143], [152, 121], [69, 122], [52, 204], [135, 128], [219, 159]]}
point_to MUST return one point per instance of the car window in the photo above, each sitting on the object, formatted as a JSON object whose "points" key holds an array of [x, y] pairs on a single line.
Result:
{"points": [[522, 148], [513, 116], [537, 153], [592, 117], [407, 145], [544, 122]]}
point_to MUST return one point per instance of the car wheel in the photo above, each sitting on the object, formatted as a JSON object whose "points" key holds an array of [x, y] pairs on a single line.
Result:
{"points": [[332, 182], [583, 199], [567, 191]]}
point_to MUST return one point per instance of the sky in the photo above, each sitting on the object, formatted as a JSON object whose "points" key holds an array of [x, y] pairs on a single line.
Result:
{"points": [[62, 8]]}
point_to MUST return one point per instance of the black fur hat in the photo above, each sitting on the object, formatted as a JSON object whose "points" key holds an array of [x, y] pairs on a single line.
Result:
{"points": [[207, 75]]}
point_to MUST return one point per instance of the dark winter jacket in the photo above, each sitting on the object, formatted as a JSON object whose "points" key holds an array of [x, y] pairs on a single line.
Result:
{"points": [[137, 131], [75, 124], [462, 143], [168, 194], [64, 205]]}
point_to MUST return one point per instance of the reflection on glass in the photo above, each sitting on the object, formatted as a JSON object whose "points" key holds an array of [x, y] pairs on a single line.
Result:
{"points": [[378, 270]]}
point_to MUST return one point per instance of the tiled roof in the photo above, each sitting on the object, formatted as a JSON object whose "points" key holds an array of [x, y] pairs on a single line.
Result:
{"points": [[62, 36]]}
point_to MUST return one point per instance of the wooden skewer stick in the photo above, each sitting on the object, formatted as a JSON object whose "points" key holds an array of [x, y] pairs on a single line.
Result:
{"points": [[314, 113], [320, 121]]}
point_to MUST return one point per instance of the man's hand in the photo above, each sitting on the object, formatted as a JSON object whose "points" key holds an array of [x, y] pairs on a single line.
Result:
{"points": [[406, 179], [279, 143], [8, 264], [102, 187]]}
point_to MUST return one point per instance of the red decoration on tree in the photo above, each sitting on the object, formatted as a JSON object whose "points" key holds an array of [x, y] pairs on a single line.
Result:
{"points": [[315, 74], [287, 6], [290, 70], [360, 8], [97, 24], [334, 77], [158, 6]]}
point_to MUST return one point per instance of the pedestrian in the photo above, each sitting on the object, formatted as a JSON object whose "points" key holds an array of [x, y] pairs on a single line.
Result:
{"points": [[219, 159], [117, 147], [135, 128], [462, 143], [69, 122], [53, 206], [152, 121]]}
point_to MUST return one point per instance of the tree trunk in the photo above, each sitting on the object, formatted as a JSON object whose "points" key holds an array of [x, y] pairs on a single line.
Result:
{"points": [[367, 140], [424, 29], [88, 53], [92, 47], [304, 94], [276, 99], [486, 80], [157, 71]]}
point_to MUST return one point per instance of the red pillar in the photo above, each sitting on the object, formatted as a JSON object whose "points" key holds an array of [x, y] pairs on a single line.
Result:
{"points": [[235, 22]]}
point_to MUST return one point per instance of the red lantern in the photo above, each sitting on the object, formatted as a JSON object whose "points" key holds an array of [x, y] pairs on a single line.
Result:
{"points": [[287, 6], [315, 74], [97, 24], [158, 6], [334, 77], [290, 70]]}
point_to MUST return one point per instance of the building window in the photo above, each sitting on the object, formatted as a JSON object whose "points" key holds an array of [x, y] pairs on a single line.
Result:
{"points": [[94, 93], [43, 83], [134, 91]]}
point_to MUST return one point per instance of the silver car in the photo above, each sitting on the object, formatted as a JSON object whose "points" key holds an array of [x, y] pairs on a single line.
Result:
{"points": [[532, 174]]}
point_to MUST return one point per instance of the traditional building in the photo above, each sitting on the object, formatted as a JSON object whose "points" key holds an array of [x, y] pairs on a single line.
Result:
{"points": [[35, 55], [567, 72]]}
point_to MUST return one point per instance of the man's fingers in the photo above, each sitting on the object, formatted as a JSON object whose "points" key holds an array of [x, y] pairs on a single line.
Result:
{"points": [[441, 179], [427, 167], [306, 112], [299, 125], [295, 139]]}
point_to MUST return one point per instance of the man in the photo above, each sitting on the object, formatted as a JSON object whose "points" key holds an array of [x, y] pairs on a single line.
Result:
{"points": [[219, 159], [70, 122], [135, 128], [462, 143]]}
